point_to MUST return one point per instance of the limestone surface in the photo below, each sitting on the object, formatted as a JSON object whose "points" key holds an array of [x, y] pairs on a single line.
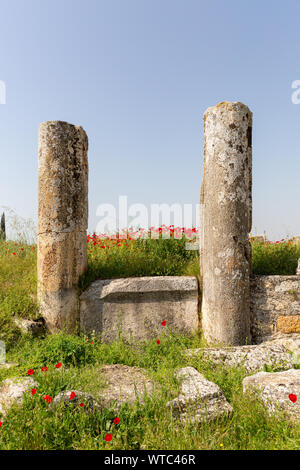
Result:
{"points": [[225, 223], [277, 390], [289, 324], [12, 391], [291, 343], [199, 399], [273, 297], [137, 307], [252, 358], [62, 221], [63, 178], [125, 384]]}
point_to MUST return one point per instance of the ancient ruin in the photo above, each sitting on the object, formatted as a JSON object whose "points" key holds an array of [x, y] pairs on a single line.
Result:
{"points": [[233, 307], [136, 306], [226, 218], [62, 221]]}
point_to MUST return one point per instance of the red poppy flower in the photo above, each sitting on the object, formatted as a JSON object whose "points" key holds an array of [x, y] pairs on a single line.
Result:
{"points": [[81, 404], [73, 395], [108, 437], [44, 369], [158, 341], [1, 424], [14, 253], [33, 391], [293, 397], [92, 342], [58, 365], [164, 323], [117, 420], [47, 398], [30, 372]]}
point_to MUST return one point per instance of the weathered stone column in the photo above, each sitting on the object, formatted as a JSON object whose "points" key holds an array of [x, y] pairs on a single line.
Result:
{"points": [[62, 221], [226, 218]]}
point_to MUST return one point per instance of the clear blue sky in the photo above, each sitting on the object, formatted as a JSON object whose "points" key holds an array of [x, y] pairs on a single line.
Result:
{"points": [[138, 76]]}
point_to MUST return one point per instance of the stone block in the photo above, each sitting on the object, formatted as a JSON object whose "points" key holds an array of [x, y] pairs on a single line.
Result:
{"points": [[252, 358], [12, 390], [33, 327], [137, 306], [277, 390], [289, 324], [199, 399]]}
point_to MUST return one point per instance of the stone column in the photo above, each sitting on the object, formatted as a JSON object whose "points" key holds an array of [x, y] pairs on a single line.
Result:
{"points": [[226, 218], [62, 221]]}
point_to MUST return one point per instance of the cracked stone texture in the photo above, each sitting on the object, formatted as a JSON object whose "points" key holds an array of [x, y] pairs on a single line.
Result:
{"points": [[273, 297], [139, 305], [274, 390], [63, 220], [63, 177], [225, 223], [199, 399], [252, 358], [12, 390], [117, 384]]}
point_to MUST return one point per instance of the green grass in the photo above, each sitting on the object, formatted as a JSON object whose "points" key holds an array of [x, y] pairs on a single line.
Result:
{"points": [[18, 280], [275, 258], [108, 259], [149, 426], [111, 258]]}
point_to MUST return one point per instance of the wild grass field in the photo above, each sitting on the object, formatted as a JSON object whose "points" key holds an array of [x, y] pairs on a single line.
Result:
{"points": [[35, 426]]}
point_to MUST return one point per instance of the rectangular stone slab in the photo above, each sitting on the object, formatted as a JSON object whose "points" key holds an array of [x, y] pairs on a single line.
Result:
{"points": [[138, 306]]}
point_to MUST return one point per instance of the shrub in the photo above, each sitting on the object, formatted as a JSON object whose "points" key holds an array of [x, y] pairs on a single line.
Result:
{"points": [[270, 258]]}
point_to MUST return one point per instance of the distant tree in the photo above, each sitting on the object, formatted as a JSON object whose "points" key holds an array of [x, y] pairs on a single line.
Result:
{"points": [[2, 228]]}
